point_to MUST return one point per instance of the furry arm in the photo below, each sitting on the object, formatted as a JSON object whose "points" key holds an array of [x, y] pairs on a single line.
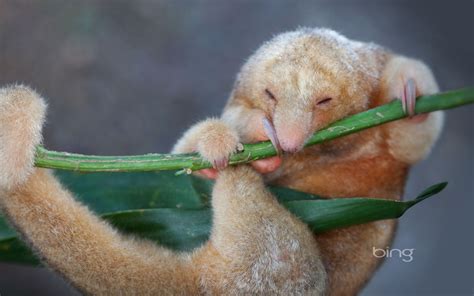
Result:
{"points": [[256, 246]]}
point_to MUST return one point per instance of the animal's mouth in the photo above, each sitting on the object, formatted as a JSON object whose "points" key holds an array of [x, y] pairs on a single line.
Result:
{"points": [[286, 139], [289, 145]]}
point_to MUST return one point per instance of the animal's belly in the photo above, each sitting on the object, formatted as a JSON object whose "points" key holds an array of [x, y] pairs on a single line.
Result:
{"points": [[379, 177], [348, 252]]}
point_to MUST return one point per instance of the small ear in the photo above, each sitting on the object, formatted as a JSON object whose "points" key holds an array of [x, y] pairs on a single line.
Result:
{"points": [[22, 114]]}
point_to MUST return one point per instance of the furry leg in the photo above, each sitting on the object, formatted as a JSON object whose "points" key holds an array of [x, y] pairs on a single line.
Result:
{"points": [[69, 238], [263, 247]]}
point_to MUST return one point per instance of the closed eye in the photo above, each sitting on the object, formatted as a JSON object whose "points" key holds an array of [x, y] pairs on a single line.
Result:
{"points": [[269, 94], [324, 101]]}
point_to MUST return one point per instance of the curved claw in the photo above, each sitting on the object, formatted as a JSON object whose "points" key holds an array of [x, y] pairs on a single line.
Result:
{"points": [[409, 97], [221, 164], [271, 134]]}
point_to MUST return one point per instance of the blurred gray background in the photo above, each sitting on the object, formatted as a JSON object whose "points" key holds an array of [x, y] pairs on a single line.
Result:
{"points": [[128, 77]]}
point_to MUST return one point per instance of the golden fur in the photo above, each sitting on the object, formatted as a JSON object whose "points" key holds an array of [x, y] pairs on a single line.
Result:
{"points": [[301, 68], [256, 246]]}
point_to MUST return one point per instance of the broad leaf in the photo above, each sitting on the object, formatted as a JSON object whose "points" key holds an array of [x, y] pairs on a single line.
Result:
{"points": [[175, 211]]}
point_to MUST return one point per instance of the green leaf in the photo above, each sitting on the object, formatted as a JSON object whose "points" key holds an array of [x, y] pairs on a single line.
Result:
{"points": [[323, 215], [175, 211]]}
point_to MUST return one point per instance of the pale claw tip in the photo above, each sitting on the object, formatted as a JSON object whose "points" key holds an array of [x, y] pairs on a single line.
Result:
{"points": [[271, 134], [410, 97], [221, 164]]}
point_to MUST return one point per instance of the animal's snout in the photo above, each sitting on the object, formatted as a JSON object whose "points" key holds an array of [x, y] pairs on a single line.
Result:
{"points": [[291, 140], [292, 128]]}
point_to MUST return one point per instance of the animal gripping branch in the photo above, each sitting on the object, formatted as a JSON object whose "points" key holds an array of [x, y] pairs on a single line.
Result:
{"points": [[192, 162]]}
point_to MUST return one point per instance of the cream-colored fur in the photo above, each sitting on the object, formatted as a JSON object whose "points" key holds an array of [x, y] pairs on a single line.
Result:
{"points": [[256, 246], [417, 138], [283, 82], [21, 119], [216, 146]]}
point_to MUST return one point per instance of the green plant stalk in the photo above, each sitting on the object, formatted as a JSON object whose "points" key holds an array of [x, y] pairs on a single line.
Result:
{"points": [[192, 162]]}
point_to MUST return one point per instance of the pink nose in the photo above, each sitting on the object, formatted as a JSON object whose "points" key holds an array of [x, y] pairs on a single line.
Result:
{"points": [[291, 141]]}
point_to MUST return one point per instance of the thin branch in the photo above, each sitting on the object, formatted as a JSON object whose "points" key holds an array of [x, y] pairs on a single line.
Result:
{"points": [[191, 162]]}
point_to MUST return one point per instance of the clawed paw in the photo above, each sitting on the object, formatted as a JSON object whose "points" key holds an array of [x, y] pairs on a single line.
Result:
{"points": [[221, 163], [217, 143], [408, 97], [406, 79]]}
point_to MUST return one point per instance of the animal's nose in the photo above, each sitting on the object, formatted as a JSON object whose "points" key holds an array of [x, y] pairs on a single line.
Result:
{"points": [[292, 127], [291, 141]]}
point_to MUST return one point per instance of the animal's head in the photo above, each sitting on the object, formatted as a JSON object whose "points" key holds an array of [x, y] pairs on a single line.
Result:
{"points": [[305, 80]]}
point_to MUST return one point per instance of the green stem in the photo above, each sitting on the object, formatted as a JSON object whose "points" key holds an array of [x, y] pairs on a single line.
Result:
{"points": [[155, 162]]}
